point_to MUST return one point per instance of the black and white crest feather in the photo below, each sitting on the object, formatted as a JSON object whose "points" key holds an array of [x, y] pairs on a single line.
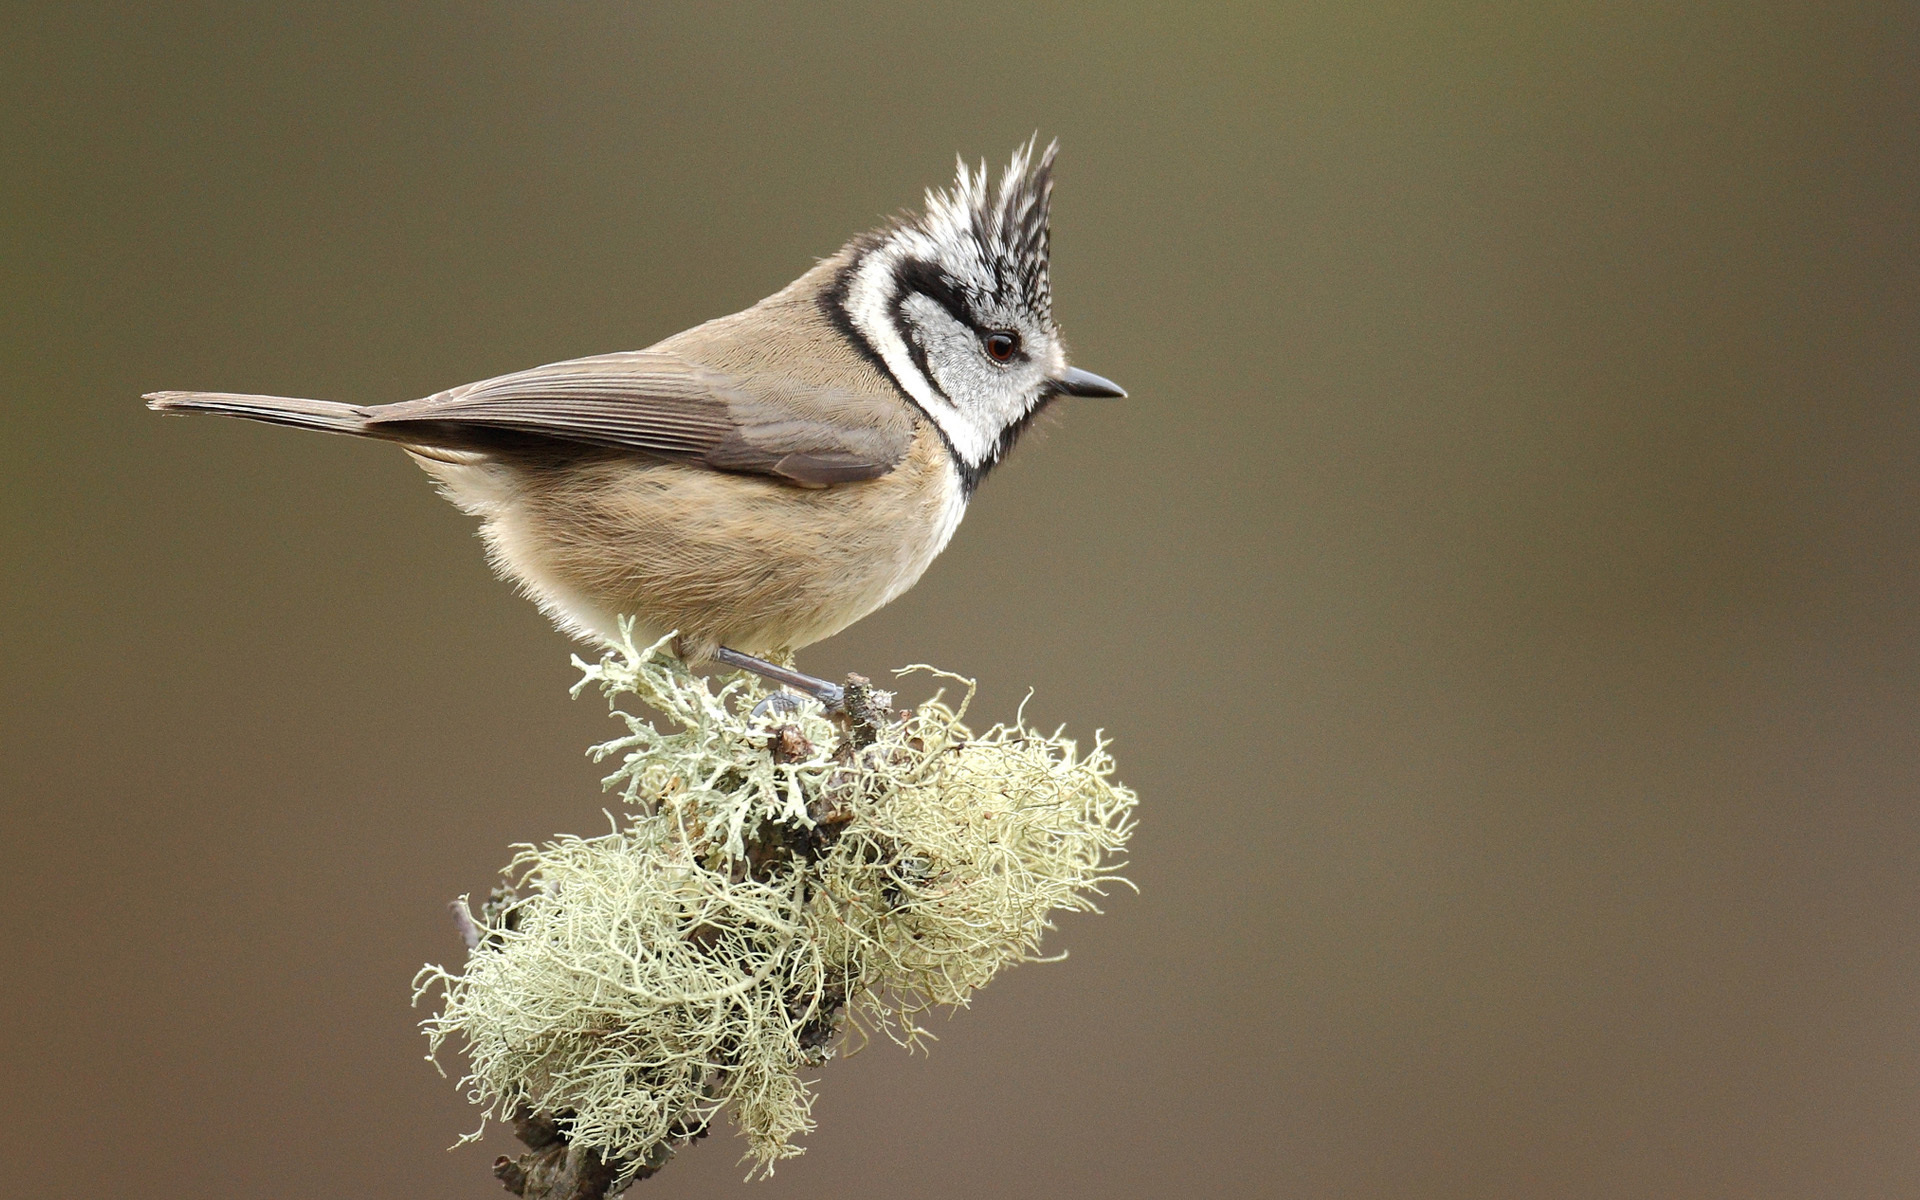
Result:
{"points": [[922, 295], [1009, 223]]}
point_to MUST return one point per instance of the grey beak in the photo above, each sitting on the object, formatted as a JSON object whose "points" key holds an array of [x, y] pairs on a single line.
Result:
{"points": [[1075, 382]]}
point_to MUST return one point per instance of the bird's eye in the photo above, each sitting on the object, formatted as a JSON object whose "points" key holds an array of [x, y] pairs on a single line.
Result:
{"points": [[1000, 345]]}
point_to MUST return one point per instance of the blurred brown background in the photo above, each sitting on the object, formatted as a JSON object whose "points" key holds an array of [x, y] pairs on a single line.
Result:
{"points": [[1501, 585]]}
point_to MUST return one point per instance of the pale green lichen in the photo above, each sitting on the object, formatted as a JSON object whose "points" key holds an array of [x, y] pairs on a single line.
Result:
{"points": [[702, 954]]}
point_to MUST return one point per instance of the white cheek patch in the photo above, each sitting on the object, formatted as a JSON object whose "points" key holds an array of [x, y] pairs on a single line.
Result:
{"points": [[869, 306], [991, 396]]}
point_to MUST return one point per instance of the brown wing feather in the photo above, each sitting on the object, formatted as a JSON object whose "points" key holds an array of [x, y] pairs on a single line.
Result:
{"points": [[659, 403]]}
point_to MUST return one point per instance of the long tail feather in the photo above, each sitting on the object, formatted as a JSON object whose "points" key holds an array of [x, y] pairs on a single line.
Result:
{"points": [[328, 416]]}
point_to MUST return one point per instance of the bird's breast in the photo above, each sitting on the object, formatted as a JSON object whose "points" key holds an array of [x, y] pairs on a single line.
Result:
{"points": [[726, 559]]}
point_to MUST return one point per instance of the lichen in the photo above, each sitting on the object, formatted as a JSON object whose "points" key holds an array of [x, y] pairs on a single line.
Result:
{"points": [[773, 880]]}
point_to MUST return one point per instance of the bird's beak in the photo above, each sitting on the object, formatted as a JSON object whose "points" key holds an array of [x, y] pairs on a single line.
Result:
{"points": [[1075, 382]]}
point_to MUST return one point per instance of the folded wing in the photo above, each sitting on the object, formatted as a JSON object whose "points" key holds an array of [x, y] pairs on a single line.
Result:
{"points": [[644, 401], [661, 404]]}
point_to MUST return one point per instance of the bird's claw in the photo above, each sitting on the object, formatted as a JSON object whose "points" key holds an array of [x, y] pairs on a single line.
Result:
{"points": [[832, 696], [777, 702]]}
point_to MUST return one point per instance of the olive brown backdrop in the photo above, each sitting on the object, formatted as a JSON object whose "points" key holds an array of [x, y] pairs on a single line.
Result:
{"points": [[1501, 585]]}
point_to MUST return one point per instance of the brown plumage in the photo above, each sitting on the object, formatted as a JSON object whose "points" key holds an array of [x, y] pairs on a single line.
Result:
{"points": [[757, 564], [765, 479]]}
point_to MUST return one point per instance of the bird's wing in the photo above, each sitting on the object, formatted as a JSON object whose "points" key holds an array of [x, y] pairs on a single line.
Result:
{"points": [[661, 404]]}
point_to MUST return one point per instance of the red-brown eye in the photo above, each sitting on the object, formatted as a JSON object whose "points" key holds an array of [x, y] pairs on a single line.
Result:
{"points": [[1000, 345]]}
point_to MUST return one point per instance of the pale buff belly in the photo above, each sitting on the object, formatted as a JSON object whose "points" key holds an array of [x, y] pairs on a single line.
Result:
{"points": [[731, 560]]}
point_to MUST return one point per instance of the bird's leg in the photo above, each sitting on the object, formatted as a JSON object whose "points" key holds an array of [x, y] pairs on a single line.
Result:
{"points": [[830, 695]]}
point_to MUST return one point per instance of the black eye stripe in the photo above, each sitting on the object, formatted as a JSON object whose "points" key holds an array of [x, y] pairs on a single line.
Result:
{"points": [[918, 275], [909, 278]]}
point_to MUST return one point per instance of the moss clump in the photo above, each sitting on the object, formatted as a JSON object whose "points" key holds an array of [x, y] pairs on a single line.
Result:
{"points": [[775, 879]]}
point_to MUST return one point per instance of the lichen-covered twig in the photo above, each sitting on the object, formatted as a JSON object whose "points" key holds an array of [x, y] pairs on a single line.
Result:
{"points": [[774, 882]]}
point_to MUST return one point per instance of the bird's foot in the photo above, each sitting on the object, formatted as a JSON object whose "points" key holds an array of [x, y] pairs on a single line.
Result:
{"points": [[831, 695], [778, 702]]}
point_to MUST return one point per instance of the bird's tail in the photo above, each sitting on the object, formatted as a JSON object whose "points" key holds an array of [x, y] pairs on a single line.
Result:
{"points": [[328, 416]]}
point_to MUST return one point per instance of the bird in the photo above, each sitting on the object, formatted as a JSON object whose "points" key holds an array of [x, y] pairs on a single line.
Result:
{"points": [[761, 481]]}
